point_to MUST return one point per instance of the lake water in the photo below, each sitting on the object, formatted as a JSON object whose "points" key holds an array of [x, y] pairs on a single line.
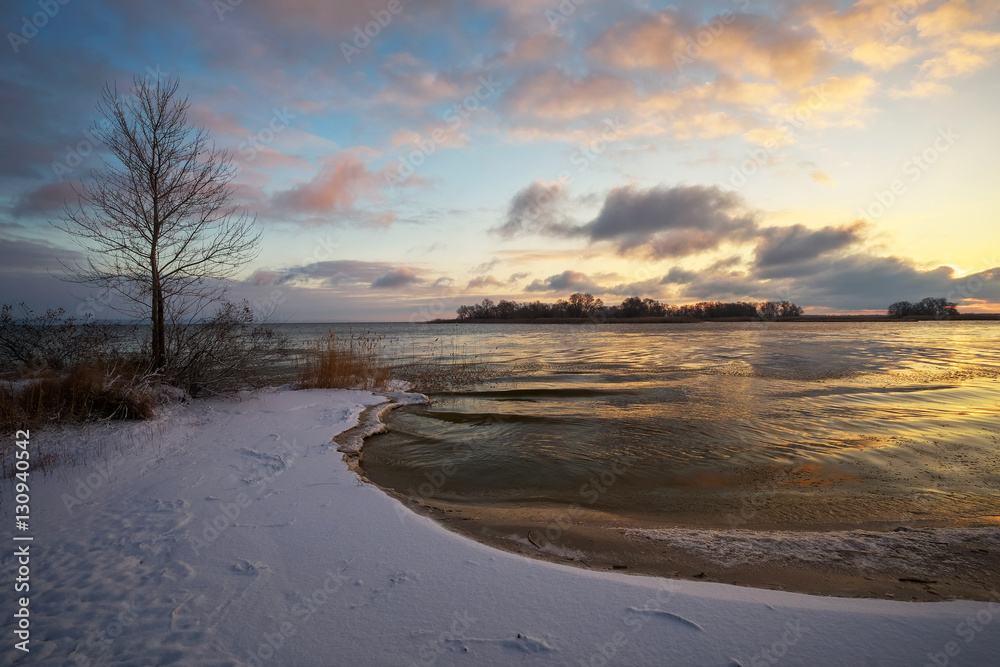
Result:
{"points": [[807, 425]]}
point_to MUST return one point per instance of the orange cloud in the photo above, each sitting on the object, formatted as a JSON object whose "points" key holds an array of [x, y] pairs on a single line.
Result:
{"points": [[737, 45], [552, 94]]}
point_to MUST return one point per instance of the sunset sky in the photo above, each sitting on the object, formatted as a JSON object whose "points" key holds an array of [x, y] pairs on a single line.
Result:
{"points": [[404, 156]]}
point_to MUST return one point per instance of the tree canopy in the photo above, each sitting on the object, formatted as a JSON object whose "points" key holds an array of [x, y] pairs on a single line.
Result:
{"points": [[586, 305]]}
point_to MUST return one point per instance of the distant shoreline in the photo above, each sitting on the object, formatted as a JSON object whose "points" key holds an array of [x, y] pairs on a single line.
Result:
{"points": [[970, 317]]}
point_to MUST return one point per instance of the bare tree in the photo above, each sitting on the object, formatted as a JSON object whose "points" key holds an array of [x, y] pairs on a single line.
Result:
{"points": [[158, 219]]}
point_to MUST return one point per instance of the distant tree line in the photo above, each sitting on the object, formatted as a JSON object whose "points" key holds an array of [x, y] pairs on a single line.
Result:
{"points": [[929, 307], [586, 305]]}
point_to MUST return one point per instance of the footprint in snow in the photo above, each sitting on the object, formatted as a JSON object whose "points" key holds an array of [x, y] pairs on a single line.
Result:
{"points": [[666, 614], [246, 567], [522, 643]]}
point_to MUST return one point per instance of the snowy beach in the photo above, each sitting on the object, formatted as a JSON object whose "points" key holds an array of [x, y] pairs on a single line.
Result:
{"points": [[231, 532]]}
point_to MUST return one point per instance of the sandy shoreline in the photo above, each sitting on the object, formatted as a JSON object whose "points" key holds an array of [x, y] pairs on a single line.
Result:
{"points": [[230, 532], [965, 567], [922, 562]]}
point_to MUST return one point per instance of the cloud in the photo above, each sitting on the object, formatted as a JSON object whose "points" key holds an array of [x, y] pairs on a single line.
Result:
{"points": [[882, 34], [567, 281], [479, 282], [863, 281], [336, 187], [541, 47], [797, 243], [739, 45], [642, 42], [678, 276], [36, 256], [554, 95], [47, 198], [333, 273], [671, 221], [535, 208], [396, 278]]}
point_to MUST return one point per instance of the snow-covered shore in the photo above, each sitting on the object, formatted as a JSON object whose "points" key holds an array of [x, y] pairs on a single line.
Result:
{"points": [[232, 532]]}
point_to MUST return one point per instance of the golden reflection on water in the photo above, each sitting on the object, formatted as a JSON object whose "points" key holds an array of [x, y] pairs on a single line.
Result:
{"points": [[805, 424]]}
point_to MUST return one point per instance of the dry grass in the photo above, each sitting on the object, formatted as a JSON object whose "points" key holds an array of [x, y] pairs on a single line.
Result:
{"points": [[86, 392], [355, 361]]}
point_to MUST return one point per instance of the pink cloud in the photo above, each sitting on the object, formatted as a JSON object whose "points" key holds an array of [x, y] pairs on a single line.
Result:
{"points": [[338, 185]]}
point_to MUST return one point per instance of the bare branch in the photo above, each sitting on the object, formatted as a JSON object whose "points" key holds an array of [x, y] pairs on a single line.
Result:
{"points": [[157, 221]]}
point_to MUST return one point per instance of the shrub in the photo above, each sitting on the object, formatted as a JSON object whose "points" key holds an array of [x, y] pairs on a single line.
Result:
{"points": [[34, 344], [228, 352]]}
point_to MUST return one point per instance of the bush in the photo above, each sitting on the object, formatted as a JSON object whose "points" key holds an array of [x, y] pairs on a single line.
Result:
{"points": [[34, 344], [226, 353]]}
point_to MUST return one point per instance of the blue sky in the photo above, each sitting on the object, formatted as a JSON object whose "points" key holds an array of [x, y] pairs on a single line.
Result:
{"points": [[840, 155]]}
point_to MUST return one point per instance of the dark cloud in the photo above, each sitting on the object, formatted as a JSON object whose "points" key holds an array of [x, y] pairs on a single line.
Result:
{"points": [[33, 256], [855, 282], [336, 273], [47, 198], [798, 243], [535, 209], [661, 221], [678, 276], [567, 281], [863, 281], [396, 278], [671, 221]]}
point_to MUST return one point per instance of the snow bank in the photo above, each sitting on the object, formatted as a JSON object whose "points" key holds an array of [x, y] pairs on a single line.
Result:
{"points": [[232, 532]]}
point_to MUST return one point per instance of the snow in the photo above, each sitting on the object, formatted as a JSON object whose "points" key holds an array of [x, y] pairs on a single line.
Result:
{"points": [[232, 532]]}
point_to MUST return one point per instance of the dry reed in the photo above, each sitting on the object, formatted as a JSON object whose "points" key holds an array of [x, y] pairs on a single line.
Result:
{"points": [[86, 392], [355, 361]]}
